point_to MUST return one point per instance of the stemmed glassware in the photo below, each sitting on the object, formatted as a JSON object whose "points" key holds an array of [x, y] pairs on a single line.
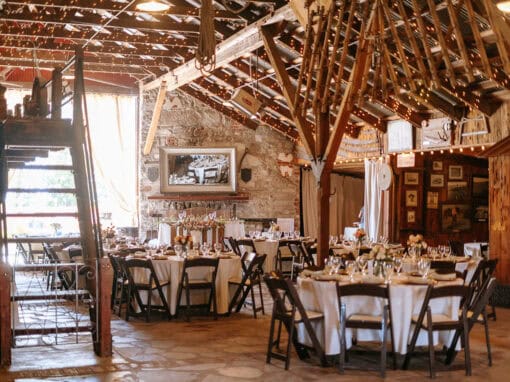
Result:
{"points": [[424, 267], [388, 271], [362, 264], [350, 267], [217, 248], [397, 262], [205, 248], [178, 249]]}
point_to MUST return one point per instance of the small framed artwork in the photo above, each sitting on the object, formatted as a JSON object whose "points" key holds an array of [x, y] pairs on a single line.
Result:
{"points": [[436, 180], [411, 198], [458, 191], [437, 165], [455, 172], [480, 187], [481, 213], [455, 217], [411, 216], [400, 136], [411, 178], [432, 200]]}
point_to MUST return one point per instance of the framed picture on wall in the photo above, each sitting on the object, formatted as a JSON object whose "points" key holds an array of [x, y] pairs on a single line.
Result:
{"points": [[437, 165], [455, 217], [436, 180], [481, 213], [411, 178], [458, 191], [411, 216], [411, 198], [480, 187], [432, 200], [455, 172]]}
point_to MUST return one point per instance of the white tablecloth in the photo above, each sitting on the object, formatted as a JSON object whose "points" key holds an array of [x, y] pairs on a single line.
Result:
{"points": [[406, 300], [235, 229], [270, 248], [461, 264], [473, 249], [171, 270]]}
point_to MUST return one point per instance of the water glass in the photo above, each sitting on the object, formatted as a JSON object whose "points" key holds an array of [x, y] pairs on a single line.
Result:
{"points": [[388, 271], [397, 261], [204, 248], [217, 248], [350, 267], [178, 249], [362, 264], [424, 267]]}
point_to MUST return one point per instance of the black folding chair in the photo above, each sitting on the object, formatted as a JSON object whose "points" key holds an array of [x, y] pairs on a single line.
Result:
{"points": [[149, 284], [430, 322], [120, 284], [289, 311], [285, 258], [253, 270], [360, 320], [188, 283], [244, 246]]}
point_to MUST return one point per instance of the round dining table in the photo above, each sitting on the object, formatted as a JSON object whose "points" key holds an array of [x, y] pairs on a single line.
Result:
{"points": [[406, 301], [170, 269]]}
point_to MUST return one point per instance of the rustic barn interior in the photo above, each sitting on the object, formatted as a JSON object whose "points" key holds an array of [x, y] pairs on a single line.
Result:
{"points": [[314, 133]]}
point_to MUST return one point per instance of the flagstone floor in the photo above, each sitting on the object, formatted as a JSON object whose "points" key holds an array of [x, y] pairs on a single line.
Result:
{"points": [[229, 349]]}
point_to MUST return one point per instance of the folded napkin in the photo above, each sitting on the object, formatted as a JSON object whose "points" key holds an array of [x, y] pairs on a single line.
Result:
{"points": [[417, 280], [322, 277], [372, 279], [443, 276]]}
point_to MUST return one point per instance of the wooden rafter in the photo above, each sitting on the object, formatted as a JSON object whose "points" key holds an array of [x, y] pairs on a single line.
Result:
{"points": [[158, 106], [500, 27], [478, 38]]}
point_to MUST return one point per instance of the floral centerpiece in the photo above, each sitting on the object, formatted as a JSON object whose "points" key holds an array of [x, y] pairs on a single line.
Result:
{"points": [[417, 243], [109, 232], [274, 227], [360, 235], [381, 254], [198, 223], [184, 240]]}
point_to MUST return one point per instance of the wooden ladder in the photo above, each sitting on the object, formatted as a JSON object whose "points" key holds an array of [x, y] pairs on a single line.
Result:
{"points": [[20, 141]]}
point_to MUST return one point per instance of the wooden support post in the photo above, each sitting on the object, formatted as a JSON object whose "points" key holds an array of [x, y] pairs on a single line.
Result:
{"points": [[103, 332], [323, 193], [5, 314], [56, 94], [155, 119]]}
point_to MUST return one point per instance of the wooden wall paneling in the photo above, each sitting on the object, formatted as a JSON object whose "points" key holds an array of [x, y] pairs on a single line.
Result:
{"points": [[499, 215]]}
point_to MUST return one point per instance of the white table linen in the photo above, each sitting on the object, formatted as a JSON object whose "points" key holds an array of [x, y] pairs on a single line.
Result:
{"points": [[406, 301], [235, 229], [473, 249], [171, 270]]}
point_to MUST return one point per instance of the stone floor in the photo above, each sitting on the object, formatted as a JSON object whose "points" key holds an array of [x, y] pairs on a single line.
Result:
{"points": [[230, 349]]}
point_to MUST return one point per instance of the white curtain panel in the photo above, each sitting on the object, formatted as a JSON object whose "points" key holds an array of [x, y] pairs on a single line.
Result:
{"points": [[344, 204], [373, 200]]}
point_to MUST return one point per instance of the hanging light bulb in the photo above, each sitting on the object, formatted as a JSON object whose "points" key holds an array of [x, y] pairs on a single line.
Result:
{"points": [[152, 6], [504, 6]]}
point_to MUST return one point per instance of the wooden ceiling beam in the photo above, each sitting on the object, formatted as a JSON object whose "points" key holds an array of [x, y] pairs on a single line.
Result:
{"points": [[158, 106], [242, 119], [93, 20], [57, 31], [114, 6], [24, 63], [108, 48], [499, 27], [240, 43], [63, 56]]}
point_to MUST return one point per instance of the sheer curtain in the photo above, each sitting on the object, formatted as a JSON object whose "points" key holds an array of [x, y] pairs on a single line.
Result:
{"points": [[345, 202], [373, 200], [112, 125]]}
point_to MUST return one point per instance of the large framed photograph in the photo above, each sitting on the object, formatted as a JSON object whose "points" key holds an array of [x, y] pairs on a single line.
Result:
{"points": [[455, 172], [455, 217], [458, 191], [411, 178], [480, 187], [436, 180], [197, 170]]}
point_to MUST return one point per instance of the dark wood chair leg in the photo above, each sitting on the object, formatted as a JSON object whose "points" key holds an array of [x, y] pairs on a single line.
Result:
{"points": [[467, 350], [431, 344], [487, 338]]}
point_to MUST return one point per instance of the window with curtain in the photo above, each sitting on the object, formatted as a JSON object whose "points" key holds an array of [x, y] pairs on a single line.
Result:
{"points": [[112, 124]]}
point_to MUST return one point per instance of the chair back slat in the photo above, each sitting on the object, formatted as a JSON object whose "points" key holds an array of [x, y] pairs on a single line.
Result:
{"points": [[368, 290]]}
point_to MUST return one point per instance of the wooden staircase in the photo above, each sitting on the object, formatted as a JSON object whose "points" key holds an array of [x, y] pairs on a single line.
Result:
{"points": [[23, 139]]}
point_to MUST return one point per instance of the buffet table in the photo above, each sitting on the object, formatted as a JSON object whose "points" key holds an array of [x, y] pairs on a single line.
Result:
{"points": [[406, 301], [171, 270]]}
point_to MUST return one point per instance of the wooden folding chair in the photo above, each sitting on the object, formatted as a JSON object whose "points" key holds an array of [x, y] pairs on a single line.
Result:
{"points": [[289, 311]]}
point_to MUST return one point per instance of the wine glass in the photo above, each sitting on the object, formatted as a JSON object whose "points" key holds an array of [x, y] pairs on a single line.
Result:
{"points": [[218, 247], [397, 261], [178, 249], [350, 267], [204, 248], [447, 251], [296, 234], [424, 267], [362, 264], [388, 271]]}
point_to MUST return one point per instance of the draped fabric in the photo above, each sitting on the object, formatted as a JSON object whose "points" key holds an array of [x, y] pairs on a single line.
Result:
{"points": [[345, 203], [373, 200]]}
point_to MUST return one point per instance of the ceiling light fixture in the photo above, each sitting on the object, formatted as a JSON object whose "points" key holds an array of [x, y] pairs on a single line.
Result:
{"points": [[504, 6], [152, 6]]}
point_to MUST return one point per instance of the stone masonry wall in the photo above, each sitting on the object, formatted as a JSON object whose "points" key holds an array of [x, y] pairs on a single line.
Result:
{"points": [[186, 122]]}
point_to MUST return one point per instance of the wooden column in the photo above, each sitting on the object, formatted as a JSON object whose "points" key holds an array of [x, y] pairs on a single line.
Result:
{"points": [[499, 215], [5, 314], [103, 333], [323, 193]]}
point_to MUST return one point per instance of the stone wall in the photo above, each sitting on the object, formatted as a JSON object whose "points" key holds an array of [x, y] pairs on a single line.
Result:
{"points": [[187, 122]]}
